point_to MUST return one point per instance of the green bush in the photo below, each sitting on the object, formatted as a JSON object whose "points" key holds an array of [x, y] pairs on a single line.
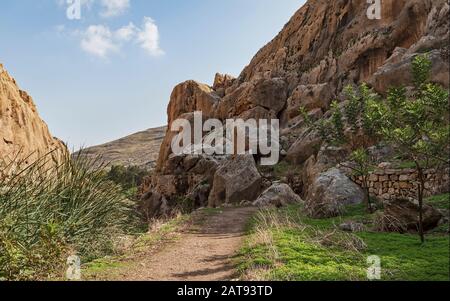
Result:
{"points": [[48, 210], [128, 177]]}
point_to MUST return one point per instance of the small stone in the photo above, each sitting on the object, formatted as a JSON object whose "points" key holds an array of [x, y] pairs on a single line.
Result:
{"points": [[404, 185], [384, 165], [404, 178], [386, 196], [393, 178], [351, 227], [384, 178], [373, 178]]}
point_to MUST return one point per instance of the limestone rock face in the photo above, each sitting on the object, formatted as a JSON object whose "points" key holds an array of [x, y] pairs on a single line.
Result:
{"points": [[189, 97], [303, 148], [311, 97], [326, 46], [222, 82], [21, 129]]}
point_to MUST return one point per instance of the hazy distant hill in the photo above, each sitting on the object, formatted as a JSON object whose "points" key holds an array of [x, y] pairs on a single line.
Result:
{"points": [[140, 149]]}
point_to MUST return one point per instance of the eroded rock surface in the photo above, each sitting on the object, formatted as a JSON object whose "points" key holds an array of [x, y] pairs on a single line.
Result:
{"points": [[21, 129], [326, 46]]}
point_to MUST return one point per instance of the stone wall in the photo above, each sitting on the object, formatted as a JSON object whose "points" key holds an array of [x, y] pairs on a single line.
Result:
{"points": [[386, 183]]}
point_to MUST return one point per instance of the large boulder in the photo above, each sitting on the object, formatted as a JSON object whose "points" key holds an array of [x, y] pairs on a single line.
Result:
{"points": [[331, 191], [402, 215], [277, 195], [235, 181]]}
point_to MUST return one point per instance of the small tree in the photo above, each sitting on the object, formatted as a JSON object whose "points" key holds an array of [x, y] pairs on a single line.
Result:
{"points": [[362, 167], [417, 126], [359, 134]]}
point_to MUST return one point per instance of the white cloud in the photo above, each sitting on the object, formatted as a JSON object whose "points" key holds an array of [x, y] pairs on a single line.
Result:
{"points": [[148, 37], [98, 40], [126, 33], [113, 8]]}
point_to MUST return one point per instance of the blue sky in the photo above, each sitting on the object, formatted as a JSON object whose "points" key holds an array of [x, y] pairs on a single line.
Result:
{"points": [[110, 73]]}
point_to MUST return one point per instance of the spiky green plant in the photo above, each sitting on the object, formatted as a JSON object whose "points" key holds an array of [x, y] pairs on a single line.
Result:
{"points": [[42, 203]]}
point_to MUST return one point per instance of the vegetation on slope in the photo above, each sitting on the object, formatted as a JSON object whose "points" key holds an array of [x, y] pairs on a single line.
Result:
{"points": [[284, 244]]}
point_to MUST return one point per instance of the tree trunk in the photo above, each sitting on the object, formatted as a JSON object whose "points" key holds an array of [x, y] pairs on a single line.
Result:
{"points": [[420, 198], [366, 190]]}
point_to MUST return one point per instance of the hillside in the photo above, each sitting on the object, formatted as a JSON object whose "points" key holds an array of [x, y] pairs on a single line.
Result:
{"points": [[139, 149]]}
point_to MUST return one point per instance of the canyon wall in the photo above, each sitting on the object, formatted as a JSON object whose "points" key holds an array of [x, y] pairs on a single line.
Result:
{"points": [[326, 46], [22, 132]]}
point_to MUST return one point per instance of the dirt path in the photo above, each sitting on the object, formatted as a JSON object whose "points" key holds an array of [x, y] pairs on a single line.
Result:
{"points": [[204, 252]]}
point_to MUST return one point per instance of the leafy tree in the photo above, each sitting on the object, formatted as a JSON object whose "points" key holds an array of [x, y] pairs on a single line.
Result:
{"points": [[361, 132], [417, 126]]}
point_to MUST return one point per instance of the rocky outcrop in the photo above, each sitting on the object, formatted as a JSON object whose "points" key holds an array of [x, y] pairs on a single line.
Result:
{"points": [[277, 195], [311, 97], [22, 131], [326, 46], [152, 205], [304, 148]]}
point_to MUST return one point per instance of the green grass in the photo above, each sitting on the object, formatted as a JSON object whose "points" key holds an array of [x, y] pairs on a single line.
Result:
{"points": [[293, 254], [405, 165], [440, 201], [101, 265], [280, 170]]}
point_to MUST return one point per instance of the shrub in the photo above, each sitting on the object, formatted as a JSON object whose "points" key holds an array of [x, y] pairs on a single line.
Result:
{"points": [[48, 209], [128, 177]]}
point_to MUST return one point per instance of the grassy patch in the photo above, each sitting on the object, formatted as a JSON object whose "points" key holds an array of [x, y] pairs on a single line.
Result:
{"points": [[439, 201], [294, 248], [281, 170], [104, 266]]}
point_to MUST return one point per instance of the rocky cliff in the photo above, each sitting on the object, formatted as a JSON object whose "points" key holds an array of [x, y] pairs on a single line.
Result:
{"points": [[326, 46], [21, 129]]}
